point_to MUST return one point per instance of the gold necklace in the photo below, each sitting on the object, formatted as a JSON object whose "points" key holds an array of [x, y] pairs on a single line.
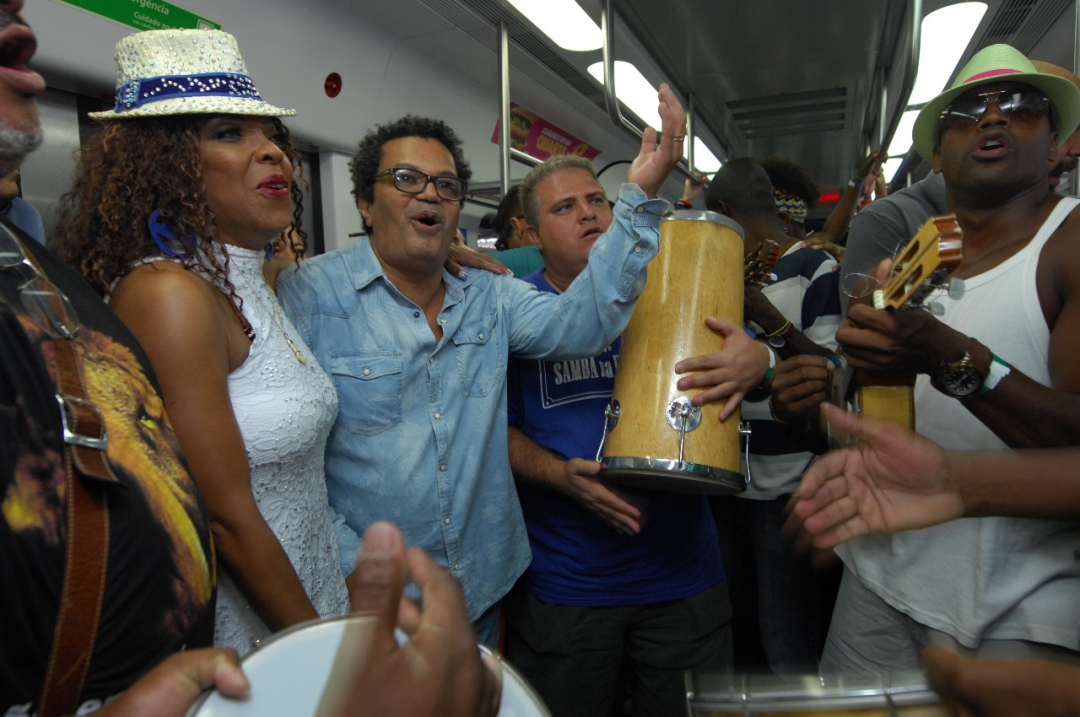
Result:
{"points": [[275, 313]]}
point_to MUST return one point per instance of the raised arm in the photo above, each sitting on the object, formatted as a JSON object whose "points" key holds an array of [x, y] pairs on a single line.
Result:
{"points": [[193, 340]]}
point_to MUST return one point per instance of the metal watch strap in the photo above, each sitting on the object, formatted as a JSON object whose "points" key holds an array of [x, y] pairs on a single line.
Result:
{"points": [[980, 357]]}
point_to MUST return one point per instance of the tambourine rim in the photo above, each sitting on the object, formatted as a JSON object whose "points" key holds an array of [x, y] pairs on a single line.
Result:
{"points": [[276, 637], [704, 215], [507, 668]]}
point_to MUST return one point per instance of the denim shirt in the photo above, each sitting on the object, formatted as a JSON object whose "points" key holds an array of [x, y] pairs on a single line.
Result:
{"points": [[420, 438]]}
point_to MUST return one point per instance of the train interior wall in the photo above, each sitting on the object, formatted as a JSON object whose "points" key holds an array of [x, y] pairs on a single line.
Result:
{"points": [[393, 59]]}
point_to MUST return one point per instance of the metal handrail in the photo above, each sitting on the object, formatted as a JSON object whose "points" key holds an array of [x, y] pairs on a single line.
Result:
{"points": [[506, 152], [607, 29], [911, 69]]}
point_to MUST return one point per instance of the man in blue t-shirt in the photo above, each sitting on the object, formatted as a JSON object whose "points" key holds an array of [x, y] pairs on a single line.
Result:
{"points": [[617, 574]]}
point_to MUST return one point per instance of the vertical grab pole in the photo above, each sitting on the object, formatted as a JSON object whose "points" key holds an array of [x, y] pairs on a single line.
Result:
{"points": [[1074, 176], [504, 108], [689, 146]]}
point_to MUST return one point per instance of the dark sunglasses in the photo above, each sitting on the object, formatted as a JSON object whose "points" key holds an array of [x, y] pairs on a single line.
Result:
{"points": [[1018, 105]]}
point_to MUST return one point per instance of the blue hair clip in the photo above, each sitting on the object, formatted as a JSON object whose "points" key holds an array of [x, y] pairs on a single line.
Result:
{"points": [[165, 237]]}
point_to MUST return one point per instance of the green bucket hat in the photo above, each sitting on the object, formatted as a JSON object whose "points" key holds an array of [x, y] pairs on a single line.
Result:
{"points": [[998, 63]]}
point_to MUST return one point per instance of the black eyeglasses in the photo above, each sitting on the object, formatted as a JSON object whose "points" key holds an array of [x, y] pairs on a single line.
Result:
{"points": [[1018, 105], [413, 181], [43, 301]]}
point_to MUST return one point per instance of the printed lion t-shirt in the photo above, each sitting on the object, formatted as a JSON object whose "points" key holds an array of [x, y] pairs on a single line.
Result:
{"points": [[159, 590]]}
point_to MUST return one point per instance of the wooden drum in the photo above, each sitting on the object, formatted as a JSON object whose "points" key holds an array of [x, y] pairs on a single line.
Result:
{"points": [[901, 694], [655, 437]]}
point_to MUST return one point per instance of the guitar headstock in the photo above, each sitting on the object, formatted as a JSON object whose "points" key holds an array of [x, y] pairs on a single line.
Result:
{"points": [[756, 268], [924, 264]]}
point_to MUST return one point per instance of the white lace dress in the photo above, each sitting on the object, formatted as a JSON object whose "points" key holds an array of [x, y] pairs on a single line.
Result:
{"points": [[285, 410]]}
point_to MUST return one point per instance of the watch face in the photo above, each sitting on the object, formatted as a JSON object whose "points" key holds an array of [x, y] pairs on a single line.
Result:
{"points": [[961, 381], [778, 341]]}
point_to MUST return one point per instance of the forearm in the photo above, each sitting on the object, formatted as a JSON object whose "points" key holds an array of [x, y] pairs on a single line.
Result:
{"points": [[1025, 484], [1026, 414], [532, 463], [258, 565], [595, 308]]}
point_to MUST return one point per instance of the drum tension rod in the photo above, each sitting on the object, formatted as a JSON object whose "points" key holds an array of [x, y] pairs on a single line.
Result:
{"points": [[744, 431], [611, 419]]}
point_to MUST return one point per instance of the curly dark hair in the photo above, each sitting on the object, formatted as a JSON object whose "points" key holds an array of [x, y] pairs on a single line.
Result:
{"points": [[129, 169], [792, 178], [365, 163]]}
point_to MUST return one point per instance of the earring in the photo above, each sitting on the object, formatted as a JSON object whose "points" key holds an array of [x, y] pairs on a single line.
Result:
{"points": [[269, 249], [165, 237]]}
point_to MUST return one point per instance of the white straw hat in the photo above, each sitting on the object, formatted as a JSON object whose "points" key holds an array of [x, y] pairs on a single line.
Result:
{"points": [[177, 72]]}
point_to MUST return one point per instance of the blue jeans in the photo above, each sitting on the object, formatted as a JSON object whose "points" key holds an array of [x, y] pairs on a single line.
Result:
{"points": [[765, 574]]}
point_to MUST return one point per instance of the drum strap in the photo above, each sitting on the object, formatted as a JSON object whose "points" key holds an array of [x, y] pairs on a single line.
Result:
{"points": [[87, 474]]}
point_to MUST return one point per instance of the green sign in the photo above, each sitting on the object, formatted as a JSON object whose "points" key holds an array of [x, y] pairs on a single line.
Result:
{"points": [[145, 14]]}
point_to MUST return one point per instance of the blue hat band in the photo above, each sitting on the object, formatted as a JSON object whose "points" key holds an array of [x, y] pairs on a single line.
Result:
{"points": [[137, 93]]}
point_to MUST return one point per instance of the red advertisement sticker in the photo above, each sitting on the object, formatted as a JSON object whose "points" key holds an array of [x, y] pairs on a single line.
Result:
{"points": [[536, 136]]}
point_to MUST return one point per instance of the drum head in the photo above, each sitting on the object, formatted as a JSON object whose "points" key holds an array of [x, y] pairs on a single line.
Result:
{"points": [[673, 476], [290, 671], [903, 693]]}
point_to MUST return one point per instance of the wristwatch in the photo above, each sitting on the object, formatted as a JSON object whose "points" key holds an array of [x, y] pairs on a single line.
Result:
{"points": [[779, 339], [965, 377]]}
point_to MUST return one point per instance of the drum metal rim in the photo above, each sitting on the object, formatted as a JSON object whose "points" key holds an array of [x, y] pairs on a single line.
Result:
{"points": [[813, 694], [708, 479], [704, 215]]}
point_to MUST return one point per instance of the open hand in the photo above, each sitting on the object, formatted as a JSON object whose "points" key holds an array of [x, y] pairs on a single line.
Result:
{"points": [[655, 161]]}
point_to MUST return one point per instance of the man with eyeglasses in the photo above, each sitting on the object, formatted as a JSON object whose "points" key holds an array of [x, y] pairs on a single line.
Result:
{"points": [[419, 356], [997, 369]]}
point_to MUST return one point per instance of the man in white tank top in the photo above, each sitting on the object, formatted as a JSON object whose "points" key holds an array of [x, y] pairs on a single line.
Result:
{"points": [[997, 369]]}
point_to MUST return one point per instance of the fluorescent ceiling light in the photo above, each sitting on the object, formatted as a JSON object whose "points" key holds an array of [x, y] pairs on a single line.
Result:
{"points": [[891, 166], [564, 22], [633, 90], [945, 35], [901, 141], [706, 161]]}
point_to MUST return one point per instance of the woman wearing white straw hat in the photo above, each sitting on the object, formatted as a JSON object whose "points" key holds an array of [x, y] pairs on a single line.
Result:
{"points": [[173, 203]]}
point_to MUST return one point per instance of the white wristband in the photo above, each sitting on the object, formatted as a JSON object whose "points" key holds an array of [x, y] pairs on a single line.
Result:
{"points": [[998, 370]]}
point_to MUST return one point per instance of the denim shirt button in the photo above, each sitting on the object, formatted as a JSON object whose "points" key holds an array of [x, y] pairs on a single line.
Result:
{"points": [[640, 210], [442, 467], [438, 416], [637, 250], [416, 314], [446, 521], [457, 566], [367, 372]]}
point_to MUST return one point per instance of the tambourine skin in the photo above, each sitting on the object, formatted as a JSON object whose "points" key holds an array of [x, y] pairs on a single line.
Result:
{"points": [[306, 671], [899, 694]]}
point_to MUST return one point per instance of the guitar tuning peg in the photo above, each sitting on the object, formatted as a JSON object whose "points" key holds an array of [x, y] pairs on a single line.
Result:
{"points": [[935, 308], [956, 288]]}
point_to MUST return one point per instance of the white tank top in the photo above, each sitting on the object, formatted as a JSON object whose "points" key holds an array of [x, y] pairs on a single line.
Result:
{"points": [[985, 578]]}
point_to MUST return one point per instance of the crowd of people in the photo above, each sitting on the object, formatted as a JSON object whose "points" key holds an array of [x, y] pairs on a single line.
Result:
{"points": [[210, 437]]}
